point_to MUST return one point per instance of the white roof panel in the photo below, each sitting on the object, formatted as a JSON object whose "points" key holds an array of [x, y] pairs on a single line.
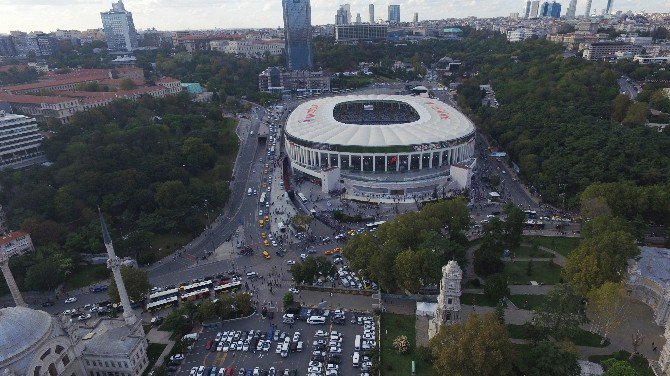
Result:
{"points": [[313, 121]]}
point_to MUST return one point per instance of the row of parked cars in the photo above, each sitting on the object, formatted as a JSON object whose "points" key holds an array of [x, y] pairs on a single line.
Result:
{"points": [[230, 371], [253, 341]]}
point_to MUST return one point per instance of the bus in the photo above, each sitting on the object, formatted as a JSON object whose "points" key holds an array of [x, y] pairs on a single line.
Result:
{"points": [[531, 214], [228, 287], [195, 295], [162, 295], [197, 286], [262, 199], [302, 197], [533, 224], [171, 301], [373, 226]]}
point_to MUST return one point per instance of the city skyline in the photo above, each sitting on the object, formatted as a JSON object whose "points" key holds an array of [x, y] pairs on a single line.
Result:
{"points": [[226, 14]]}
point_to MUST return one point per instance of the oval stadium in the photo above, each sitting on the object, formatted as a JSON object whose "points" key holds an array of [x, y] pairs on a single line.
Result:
{"points": [[382, 148]]}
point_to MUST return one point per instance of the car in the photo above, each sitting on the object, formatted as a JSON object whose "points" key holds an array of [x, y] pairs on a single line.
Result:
{"points": [[212, 372], [201, 371], [260, 213], [266, 243], [278, 349], [177, 357], [274, 243], [294, 290], [194, 371], [320, 333], [217, 338], [290, 262], [70, 300], [266, 346], [296, 336], [335, 350]]}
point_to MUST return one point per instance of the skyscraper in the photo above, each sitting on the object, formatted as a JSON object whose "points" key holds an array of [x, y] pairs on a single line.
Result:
{"points": [[343, 15], [298, 34], [587, 12], [119, 28], [371, 9], [608, 8], [416, 18], [526, 12], [394, 13], [552, 10], [358, 19], [572, 10], [534, 9]]}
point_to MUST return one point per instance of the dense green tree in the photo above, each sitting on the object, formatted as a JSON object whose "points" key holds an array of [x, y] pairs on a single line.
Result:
{"points": [[614, 367], [562, 312], [137, 285], [479, 346], [549, 359], [495, 286], [514, 219]]}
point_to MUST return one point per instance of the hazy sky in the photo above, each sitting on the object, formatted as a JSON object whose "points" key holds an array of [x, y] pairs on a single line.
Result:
{"points": [[49, 15]]}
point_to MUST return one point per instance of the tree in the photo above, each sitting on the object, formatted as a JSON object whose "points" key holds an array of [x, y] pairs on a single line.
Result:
{"points": [[600, 258], [243, 304], [614, 367], [549, 359], [136, 282], [479, 346], [127, 84], [495, 286], [288, 299], [513, 224], [401, 344], [562, 312], [172, 195], [607, 308], [206, 311]]}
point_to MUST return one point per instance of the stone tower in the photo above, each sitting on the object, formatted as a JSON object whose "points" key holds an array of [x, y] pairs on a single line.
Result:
{"points": [[448, 309], [114, 263]]}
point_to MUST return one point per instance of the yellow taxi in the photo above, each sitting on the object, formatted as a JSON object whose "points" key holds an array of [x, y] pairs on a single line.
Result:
{"points": [[266, 243], [328, 252], [266, 255], [264, 235], [337, 250], [261, 223], [267, 218]]}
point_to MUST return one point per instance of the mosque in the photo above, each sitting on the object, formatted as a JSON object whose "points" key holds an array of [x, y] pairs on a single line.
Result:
{"points": [[35, 343]]}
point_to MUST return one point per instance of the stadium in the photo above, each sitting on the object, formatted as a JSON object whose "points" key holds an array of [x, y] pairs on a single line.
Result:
{"points": [[381, 147]]}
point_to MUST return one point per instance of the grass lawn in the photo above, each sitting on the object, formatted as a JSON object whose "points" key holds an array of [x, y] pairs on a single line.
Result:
{"points": [[393, 363], [167, 243], [529, 302], [543, 271], [477, 299], [581, 338], [640, 363], [524, 251], [154, 350], [85, 275], [559, 244]]}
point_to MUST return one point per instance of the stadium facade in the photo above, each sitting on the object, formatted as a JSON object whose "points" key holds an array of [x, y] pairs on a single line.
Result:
{"points": [[383, 147]]}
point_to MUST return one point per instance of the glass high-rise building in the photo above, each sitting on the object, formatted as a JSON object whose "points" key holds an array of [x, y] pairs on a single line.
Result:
{"points": [[608, 8], [394, 13], [298, 34], [119, 28]]}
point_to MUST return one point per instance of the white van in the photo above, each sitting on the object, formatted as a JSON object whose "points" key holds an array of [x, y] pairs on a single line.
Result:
{"points": [[284, 350], [357, 343], [355, 359], [190, 337], [316, 320]]}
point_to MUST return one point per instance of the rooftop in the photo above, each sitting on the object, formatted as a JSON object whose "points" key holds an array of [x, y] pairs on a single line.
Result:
{"points": [[654, 264]]}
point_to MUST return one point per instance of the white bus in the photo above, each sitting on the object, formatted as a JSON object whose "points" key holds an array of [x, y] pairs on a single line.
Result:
{"points": [[164, 303], [302, 197], [262, 199], [195, 295], [374, 225], [162, 295], [227, 287], [197, 286]]}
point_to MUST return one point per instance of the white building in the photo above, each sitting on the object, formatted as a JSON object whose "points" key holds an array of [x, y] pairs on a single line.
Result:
{"points": [[250, 48], [518, 35], [20, 141], [119, 28]]}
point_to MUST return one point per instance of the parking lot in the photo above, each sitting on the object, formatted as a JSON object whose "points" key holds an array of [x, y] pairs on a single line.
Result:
{"points": [[312, 360]]}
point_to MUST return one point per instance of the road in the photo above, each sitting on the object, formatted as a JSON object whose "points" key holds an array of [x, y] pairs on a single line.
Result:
{"points": [[628, 87]]}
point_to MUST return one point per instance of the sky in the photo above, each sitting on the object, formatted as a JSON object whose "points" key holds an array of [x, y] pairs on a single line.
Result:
{"points": [[50, 15]]}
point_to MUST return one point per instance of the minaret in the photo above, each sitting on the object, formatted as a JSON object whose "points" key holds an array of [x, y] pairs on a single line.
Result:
{"points": [[11, 283], [114, 263], [449, 301]]}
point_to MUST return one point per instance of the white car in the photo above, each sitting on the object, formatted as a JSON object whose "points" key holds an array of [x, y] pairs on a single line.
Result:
{"points": [[290, 262], [70, 300], [177, 357], [294, 290], [320, 333], [278, 350]]}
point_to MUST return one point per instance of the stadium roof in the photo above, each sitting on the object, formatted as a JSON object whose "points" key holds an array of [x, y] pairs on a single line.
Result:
{"points": [[314, 121]]}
